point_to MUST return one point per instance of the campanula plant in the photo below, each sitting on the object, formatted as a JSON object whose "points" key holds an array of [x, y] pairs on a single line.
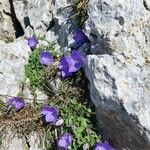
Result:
{"points": [[71, 109], [66, 113], [35, 69]]}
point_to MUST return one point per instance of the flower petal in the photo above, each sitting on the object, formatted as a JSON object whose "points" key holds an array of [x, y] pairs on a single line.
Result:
{"points": [[65, 73], [32, 42], [78, 56], [50, 118], [19, 104], [46, 58], [103, 146], [45, 110], [50, 113], [65, 140], [80, 37]]}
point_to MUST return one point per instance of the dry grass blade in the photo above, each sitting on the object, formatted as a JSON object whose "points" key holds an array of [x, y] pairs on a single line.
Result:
{"points": [[20, 120], [83, 4]]}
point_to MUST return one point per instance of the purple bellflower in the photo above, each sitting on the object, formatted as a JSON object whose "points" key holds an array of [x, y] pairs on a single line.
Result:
{"points": [[80, 37], [16, 102], [71, 63], [65, 141], [66, 65], [103, 146], [79, 59], [50, 113], [32, 42], [46, 58]]}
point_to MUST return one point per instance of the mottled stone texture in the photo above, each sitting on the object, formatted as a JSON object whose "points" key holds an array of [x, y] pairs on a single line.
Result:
{"points": [[6, 25], [16, 16], [13, 57], [119, 70], [35, 13]]}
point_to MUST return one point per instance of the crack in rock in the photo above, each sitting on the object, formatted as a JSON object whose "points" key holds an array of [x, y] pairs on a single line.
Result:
{"points": [[146, 5]]}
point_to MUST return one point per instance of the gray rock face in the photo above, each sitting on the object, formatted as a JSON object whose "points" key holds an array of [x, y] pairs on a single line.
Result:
{"points": [[16, 16], [13, 57], [12, 142], [65, 22], [40, 15], [34, 13], [119, 70]]}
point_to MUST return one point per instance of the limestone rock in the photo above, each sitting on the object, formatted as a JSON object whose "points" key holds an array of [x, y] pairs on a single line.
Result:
{"points": [[60, 10], [13, 57], [13, 142], [34, 13], [146, 4], [39, 13], [65, 21], [119, 71]]}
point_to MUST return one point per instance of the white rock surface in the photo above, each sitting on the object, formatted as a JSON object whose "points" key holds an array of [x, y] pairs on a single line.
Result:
{"points": [[60, 9], [35, 12], [13, 142], [13, 57], [119, 72], [39, 13]]}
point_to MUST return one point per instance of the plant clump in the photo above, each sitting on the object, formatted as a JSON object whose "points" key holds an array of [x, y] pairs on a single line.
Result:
{"points": [[64, 120]]}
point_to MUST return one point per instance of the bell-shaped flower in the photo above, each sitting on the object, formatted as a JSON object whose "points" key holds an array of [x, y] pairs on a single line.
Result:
{"points": [[16, 102], [50, 113], [103, 146], [66, 66], [71, 63], [46, 58], [65, 141], [32, 42], [80, 37], [79, 59]]}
